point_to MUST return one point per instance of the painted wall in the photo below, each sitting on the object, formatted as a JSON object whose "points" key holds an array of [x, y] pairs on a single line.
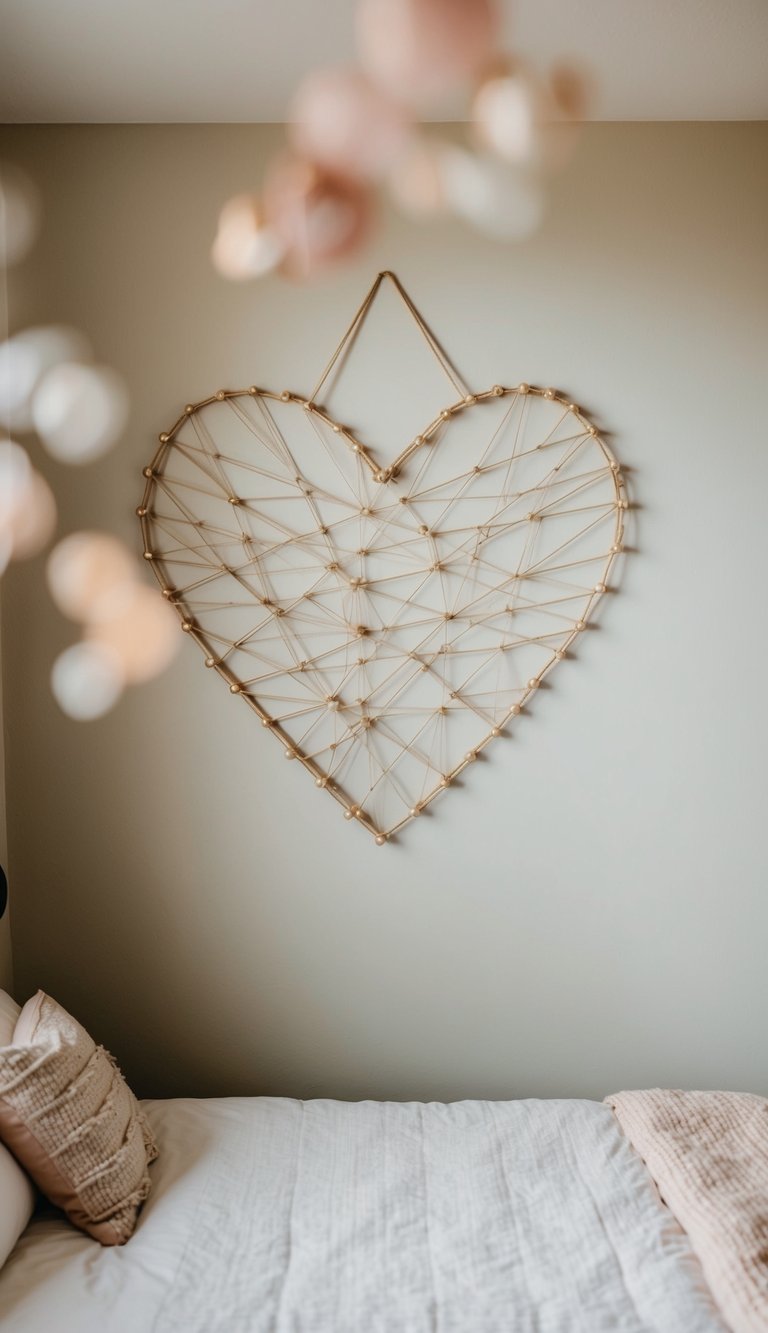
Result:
{"points": [[589, 911]]}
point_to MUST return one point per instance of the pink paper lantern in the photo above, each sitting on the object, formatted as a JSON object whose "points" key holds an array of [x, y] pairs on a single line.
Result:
{"points": [[345, 123], [417, 50], [244, 247], [319, 217], [143, 634]]}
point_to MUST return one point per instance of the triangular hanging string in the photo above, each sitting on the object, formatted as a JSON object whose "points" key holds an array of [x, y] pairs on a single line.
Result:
{"points": [[358, 320]]}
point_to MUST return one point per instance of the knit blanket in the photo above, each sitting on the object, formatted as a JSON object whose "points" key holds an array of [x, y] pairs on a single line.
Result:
{"points": [[708, 1154]]}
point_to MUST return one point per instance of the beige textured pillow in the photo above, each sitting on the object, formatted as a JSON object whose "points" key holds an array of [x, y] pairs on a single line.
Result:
{"points": [[17, 1197], [70, 1119]]}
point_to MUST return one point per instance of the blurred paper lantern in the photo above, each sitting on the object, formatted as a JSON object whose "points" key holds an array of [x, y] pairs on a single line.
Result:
{"points": [[25, 358], [86, 680], [33, 522], [19, 213], [5, 550], [91, 575], [348, 125], [244, 247], [501, 201], [143, 632], [15, 479], [416, 180], [510, 111], [79, 411], [319, 217], [417, 50]]}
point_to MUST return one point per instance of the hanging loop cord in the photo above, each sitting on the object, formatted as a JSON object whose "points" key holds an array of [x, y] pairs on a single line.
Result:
{"points": [[422, 325]]}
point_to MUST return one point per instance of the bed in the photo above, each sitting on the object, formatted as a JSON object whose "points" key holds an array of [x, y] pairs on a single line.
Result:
{"points": [[375, 1217]]}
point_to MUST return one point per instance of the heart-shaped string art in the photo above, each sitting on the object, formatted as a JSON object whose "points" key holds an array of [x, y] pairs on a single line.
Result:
{"points": [[384, 622]]}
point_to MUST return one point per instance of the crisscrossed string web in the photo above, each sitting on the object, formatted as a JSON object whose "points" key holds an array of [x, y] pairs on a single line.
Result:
{"points": [[385, 625]]}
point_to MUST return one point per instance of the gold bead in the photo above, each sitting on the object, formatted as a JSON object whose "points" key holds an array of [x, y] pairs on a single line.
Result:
{"points": [[560, 654], [186, 626], [516, 708], [221, 395], [623, 504], [495, 731], [168, 593], [164, 438], [414, 811], [147, 472], [285, 396], [572, 407], [336, 428], [549, 393], [210, 661], [424, 530], [445, 781], [235, 689], [234, 500], [381, 476], [419, 440], [366, 511], [523, 388], [141, 511], [189, 409], [355, 448], [592, 430], [599, 587], [580, 624], [615, 550], [445, 414], [321, 782], [469, 399], [253, 390], [533, 683], [471, 756], [289, 754], [266, 722], [614, 465], [497, 390], [148, 555], [347, 814], [380, 839]]}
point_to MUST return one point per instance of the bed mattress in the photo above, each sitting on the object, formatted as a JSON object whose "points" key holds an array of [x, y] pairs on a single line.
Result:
{"points": [[374, 1217]]}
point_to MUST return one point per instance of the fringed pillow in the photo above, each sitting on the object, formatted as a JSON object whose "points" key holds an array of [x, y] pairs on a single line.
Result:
{"points": [[17, 1197], [70, 1119]]}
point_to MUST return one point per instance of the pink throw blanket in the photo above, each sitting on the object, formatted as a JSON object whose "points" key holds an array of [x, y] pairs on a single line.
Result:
{"points": [[708, 1154]]}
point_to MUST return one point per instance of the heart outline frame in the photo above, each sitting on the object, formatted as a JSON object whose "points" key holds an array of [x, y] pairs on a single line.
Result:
{"points": [[382, 475]]}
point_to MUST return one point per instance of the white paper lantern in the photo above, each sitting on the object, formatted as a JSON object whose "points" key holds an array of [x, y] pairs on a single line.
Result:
{"points": [[33, 521], [79, 411], [499, 200], [25, 358], [86, 680], [244, 246]]}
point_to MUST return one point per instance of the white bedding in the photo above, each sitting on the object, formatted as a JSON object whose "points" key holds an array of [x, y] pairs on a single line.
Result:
{"points": [[374, 1217]]}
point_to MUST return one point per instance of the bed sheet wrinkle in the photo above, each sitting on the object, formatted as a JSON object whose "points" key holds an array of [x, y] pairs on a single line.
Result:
{"points": [[269, 1215]]}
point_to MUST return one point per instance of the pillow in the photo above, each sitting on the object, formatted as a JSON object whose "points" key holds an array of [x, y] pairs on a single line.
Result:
{"points": [[17, 1197], [68, 1116]]}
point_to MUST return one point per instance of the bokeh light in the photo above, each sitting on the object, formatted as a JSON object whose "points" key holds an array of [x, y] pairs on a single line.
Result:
{"points": [[86, 680], [91, 576], [79, 411], [143, 632], [342, 121]]}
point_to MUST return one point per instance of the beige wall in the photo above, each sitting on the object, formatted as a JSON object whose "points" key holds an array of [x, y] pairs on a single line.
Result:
{"points": [[590, 910]]}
